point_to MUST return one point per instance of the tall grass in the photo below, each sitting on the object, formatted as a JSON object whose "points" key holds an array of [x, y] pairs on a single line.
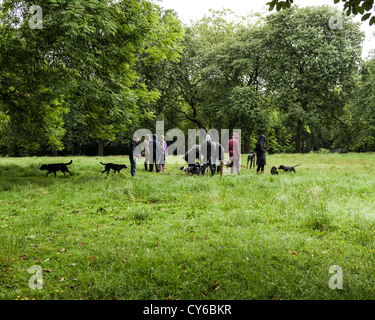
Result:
{"points": [[166, 235]]}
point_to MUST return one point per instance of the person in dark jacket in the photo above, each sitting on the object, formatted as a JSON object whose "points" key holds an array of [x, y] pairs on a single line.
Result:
{"points": [[155, 153], [261, 153], [134, 154], [192, 155], [218, 155], [207, 155]]}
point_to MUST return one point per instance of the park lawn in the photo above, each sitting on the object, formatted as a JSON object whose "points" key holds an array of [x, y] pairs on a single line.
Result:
{"points": [[169, 236]]}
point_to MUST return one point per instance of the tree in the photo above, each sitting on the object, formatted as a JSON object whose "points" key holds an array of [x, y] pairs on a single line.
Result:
{"points": [[86, 54], [310, 68], [354, 7], [234, 85], [360, 111]]}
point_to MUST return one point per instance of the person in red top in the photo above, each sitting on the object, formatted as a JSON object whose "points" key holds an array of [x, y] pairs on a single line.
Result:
{"points": [[235, 153]]}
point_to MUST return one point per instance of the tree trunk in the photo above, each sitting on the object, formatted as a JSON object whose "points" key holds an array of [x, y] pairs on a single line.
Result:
{"points": [[298, 137], [247, 144], [101, 148], [303, 145]]}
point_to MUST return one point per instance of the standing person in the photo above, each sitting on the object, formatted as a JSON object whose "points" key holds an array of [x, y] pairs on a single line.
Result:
{"points": [[164, 152], [147, 150], [261, 153], [218, 155], [235, 153], [207, 155], [155, 153], [134, 154]]}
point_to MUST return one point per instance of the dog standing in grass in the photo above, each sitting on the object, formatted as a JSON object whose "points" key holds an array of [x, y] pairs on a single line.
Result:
{"points": [[251, 158], [53, 167]]}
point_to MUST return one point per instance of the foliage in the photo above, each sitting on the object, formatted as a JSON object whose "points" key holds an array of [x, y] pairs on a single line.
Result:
{"points": [[86, 55], [354, 7], [243, 237]]}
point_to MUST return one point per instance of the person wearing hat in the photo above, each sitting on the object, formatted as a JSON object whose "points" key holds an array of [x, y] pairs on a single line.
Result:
{"points": [[235, 153], [261, 153]]}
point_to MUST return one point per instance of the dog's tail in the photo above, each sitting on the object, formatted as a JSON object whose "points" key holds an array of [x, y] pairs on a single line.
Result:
{"points": [[69, 162], [297, 165], [103, 163]]}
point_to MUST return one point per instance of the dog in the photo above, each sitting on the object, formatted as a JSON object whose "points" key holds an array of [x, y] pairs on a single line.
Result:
{"points": [[251, 158], [289, 169], [274, 170], [229, 164], [54, 167], [113, 166], [191, 170]]}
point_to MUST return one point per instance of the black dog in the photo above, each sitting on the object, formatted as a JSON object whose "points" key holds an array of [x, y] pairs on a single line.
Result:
{"points": [[274, 170], [289, 169], [113, 166], [251, 158], [191, 170], [53, 167]]}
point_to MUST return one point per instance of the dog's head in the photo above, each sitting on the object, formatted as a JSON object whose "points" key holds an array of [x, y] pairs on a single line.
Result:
{"points": [[229, 164], [123, 166], [282, 167], [182, 168], [274, 170], [44, 167]]}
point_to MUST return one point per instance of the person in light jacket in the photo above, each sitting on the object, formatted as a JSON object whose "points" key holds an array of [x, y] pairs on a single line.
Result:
{"points": [[147, 150], [235, 153], [164, 152]]}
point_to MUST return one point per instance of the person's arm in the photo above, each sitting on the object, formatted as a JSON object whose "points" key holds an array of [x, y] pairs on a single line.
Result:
{"points": [[166, 148], [238, 148]]}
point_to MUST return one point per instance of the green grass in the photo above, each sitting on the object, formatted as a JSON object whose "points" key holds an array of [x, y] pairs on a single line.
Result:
{"points": [[169, 236]]}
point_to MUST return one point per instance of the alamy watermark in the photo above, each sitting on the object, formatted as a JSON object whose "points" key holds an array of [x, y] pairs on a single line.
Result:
{"points": [[36, 281], [197, 145], [36, 20], [336, 281]]}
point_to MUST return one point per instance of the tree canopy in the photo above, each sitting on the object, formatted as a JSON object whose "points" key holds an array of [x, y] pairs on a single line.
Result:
{"points": [[99, 70], [355, 7]]}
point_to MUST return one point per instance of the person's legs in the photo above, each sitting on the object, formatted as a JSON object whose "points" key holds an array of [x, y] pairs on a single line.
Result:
{"points": [[132, 167], [260, 169], [236, 163], [151, 165], [211, 166]]}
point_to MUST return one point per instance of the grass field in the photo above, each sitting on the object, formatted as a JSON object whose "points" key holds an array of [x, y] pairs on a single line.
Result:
{"points": [[169, 236]]}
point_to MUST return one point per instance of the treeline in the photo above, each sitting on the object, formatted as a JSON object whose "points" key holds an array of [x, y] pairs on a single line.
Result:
{"points": [[99, 70]]}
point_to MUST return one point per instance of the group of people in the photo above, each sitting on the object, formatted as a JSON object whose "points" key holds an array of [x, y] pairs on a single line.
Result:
{"points": [[156, 150]]}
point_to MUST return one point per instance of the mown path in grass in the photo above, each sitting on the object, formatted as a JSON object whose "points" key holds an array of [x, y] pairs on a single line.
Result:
{"points": [[169, 236]]}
